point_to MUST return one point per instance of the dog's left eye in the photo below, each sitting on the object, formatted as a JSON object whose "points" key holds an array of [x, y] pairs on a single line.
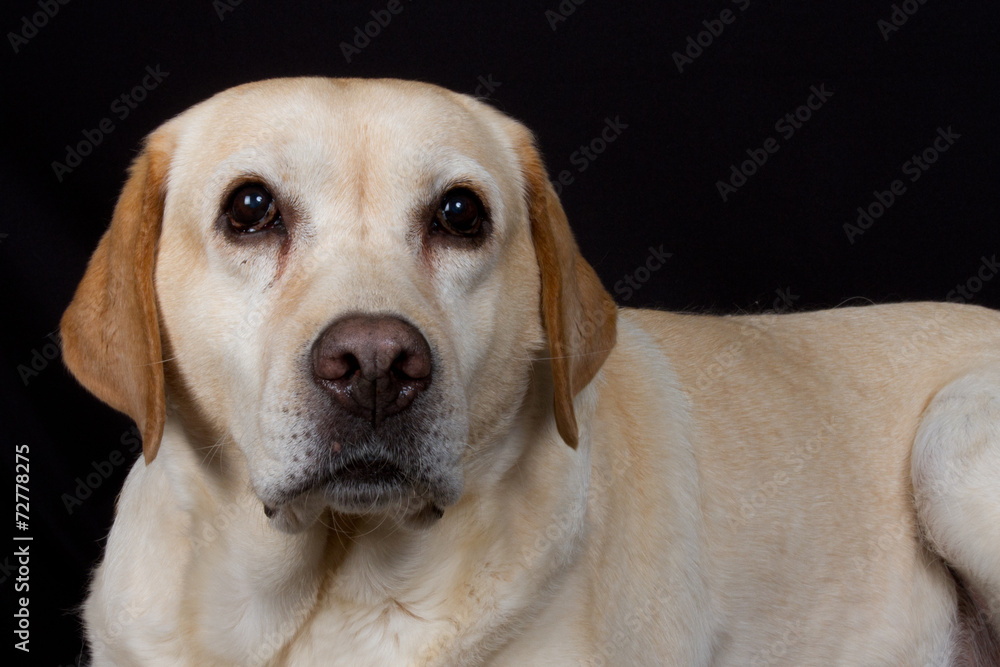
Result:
{"points": [[252, 209], [460, 213]]}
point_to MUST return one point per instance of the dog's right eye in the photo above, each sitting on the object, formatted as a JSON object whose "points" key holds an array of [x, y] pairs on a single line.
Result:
{"points": [[252, 209]]}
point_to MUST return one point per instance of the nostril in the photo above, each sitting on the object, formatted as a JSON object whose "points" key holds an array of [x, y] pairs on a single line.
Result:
{"points": [[335, 367], [411, 366], [352, 366]]}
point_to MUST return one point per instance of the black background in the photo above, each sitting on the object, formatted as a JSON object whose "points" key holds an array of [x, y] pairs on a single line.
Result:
{"points": [[777, 243]]}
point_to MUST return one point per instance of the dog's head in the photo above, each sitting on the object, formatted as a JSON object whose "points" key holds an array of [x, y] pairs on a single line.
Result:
{"points": [[348, 280]]}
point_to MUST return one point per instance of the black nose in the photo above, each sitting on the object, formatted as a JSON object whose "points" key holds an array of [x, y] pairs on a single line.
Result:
{"points": [[373, 366]]}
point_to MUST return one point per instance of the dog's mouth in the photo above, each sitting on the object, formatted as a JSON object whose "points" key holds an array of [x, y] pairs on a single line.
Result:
{"points": [[378, 472], [373, 485], [357, 482]]}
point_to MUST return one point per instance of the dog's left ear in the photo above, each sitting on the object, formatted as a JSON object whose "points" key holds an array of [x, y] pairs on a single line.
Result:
{"points": [[579, 315], [110, 331]]}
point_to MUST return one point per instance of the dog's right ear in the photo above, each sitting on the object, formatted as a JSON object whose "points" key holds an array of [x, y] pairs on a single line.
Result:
{"points": [[110, 331]]}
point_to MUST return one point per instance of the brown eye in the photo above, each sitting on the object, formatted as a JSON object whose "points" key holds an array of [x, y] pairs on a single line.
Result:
{"points": [[460, 213], [252, 209]]}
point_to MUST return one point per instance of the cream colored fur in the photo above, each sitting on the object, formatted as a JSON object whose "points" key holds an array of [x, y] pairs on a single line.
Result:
{"points": [[766, 490]]}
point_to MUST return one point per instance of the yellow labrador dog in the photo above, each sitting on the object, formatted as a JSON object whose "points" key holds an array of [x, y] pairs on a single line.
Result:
{"points": [[391, 417]]}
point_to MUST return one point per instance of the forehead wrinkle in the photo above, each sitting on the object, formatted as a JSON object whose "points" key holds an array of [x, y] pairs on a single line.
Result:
{"points": [[359, 164], [386, 171]]}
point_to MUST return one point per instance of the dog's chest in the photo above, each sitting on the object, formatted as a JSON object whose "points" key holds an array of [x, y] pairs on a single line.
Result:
{"points": [[386, 634]]}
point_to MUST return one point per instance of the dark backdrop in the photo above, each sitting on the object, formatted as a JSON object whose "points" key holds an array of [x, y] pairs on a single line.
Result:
{"points": [[681, 116]]}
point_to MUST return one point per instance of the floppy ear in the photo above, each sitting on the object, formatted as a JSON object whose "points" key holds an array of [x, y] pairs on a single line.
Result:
{"points": [[579, 315], [110, 333]]}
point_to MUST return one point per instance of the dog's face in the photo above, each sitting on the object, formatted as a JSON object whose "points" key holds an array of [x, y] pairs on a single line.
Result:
{"points": [[350, 280], [352, 238]]}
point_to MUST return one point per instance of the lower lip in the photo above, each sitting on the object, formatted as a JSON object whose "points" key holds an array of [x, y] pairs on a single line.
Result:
{"points": [[373, 472]]}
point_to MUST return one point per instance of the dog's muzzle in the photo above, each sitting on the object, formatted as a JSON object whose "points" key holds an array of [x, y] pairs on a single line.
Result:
{"points": [[377, 441]]}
